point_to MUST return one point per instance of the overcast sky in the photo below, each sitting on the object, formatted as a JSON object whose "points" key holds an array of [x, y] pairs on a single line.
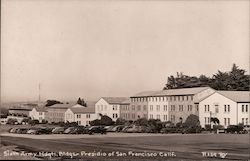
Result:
{"points": [[115, 48]]}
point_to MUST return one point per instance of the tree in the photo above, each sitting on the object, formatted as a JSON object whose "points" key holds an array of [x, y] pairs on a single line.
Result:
{"points": [[236, 79], [81, 102], [192, 121], [95, 122], [105, 120], [141, 122], [52, 102]]}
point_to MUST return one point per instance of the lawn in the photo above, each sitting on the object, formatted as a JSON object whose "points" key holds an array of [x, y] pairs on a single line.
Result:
{"points": [[151, 147]]}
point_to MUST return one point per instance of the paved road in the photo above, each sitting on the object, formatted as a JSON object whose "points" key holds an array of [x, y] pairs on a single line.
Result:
{"points": [[175, 147]]}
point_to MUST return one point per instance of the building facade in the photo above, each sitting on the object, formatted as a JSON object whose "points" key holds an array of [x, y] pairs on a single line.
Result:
{"points": [[109, 106], [173, 105], [81, 115], [38, 113], [229, 107], [56, 113]]}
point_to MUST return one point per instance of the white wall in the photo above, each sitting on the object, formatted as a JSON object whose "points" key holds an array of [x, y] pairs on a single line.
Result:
{"points": [[85, 118], [35, 115], [220, 100], [69, 116], [160, 112], [243, 113], [104, 108]]}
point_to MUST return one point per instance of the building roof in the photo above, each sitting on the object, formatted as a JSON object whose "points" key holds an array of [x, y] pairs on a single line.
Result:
{"points": [[172, 92], [237, 96], [115, 100], [20, 109], [41, 109], [126, 102], [82, 109], [62, 106], [145, 93]]}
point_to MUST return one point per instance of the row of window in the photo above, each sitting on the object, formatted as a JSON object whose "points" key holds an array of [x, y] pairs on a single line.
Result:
{"points": [[151, 116], [162, 98], [244, 108], [245, 121], [79, 122], [131, 116], [105, 107], [55, 114], [79, 116]]}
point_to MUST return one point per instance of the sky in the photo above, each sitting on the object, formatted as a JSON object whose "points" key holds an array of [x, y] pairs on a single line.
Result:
{"points": [[92, 49]]}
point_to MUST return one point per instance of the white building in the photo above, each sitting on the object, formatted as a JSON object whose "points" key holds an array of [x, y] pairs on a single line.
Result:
{"points": [[38, 113], [173, 105], [80, 114], [230, 107], [110, 106]]}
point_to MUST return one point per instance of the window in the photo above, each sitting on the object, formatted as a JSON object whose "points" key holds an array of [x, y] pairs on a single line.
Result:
{"points": [[157, 107], [145, 108], [243, 121], [192, 98], [151, 116], [246, 108], [172, 107], [225, 108], [165, 107], [133, 107], [246, 121], [87, 122], [139, 107], [156, 99], [79, 122], [88, 116], [174, 98], [180, 107], [242, 107], [160, 99], [165, 117], [78, 116], [208, 108], [187, 98], [158, 116], [151, 107]]}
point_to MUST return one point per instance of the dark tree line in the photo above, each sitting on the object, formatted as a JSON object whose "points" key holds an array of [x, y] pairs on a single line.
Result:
{"points": [[236, 79]]}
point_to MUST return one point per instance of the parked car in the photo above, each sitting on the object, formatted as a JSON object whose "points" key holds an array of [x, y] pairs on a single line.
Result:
{"points": [[97, 129], [33, 131], [21, 130], [69, 130], [79, 130], [58, 130], [44, 130], [234, 129], [13, 130], [134, 129]]}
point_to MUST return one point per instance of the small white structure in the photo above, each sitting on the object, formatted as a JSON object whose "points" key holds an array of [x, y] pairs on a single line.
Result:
{"points": [[110, 106], [229, 107], [38, 113], [81, 115]]}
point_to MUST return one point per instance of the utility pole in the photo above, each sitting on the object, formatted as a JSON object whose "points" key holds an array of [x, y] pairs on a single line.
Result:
{"points": [[39, 95]]}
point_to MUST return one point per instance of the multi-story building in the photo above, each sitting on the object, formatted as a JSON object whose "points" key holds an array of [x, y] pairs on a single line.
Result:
{"points": [[125, 112], [82, 115], [38, 113], [173, 105], [109, 106], [229, 107], [56, 113]]}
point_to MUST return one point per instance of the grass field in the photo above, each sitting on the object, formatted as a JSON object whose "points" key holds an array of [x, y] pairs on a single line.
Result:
{"points": [[138, 147]]}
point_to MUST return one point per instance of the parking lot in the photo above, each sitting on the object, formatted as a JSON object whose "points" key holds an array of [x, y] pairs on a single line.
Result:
{"points": [[175, 146]]}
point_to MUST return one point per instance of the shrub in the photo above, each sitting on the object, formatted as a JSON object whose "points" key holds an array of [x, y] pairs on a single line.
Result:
{"points": [[120, 121], [33, 122], [11, 121], [192, 121], [95, 122], [105, 120], [141, 122]]}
